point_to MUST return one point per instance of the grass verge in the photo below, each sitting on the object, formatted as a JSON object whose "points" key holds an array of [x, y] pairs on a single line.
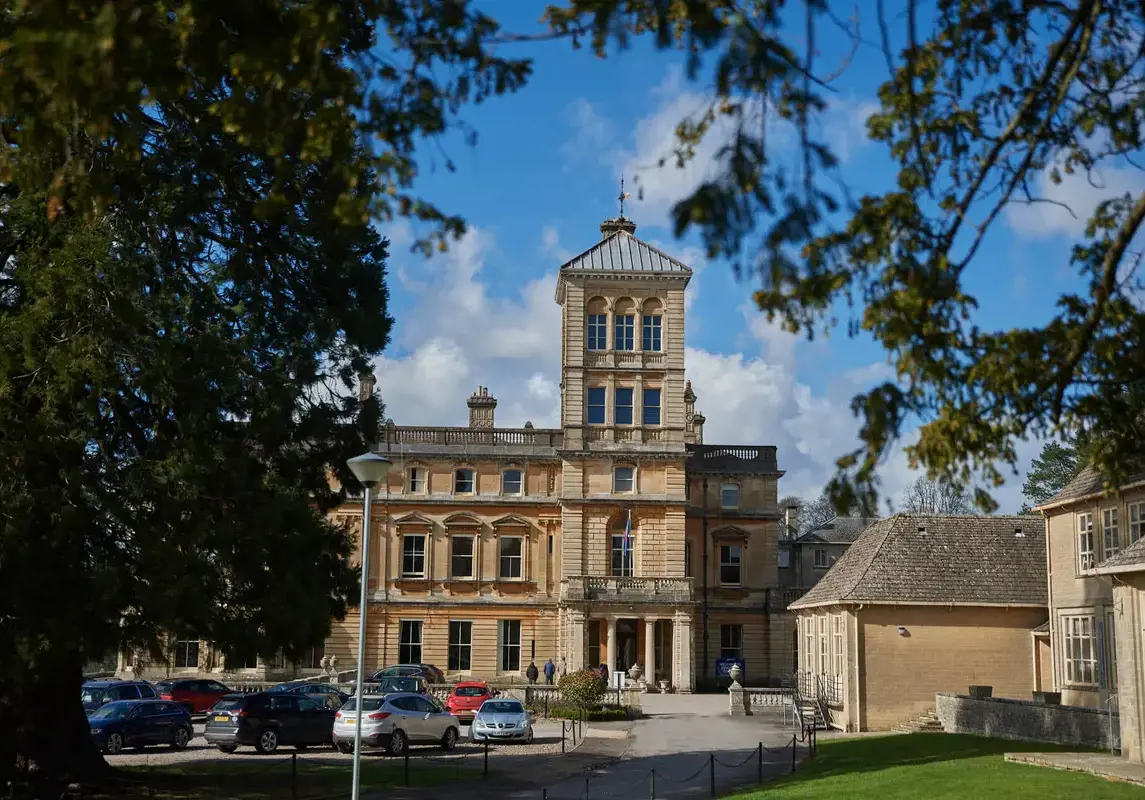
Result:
{"points": [[935, 767], [272, 778]]}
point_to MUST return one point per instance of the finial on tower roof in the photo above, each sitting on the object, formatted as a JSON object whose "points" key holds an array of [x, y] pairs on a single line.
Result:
{"points": [[623, 196]]}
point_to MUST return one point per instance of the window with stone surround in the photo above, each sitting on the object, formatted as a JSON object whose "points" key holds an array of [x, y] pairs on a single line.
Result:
{"points": [[464, 481], [820, 556], [595, 403], [784, 557], [624, 479], [512, 481], [510, 557], [187, 654], [416, 482], [625, 330], [1136, 513], [593, 643], [729, 495], [1111, 536], [460, 645], [597, 334], [731, 641], [1079, 650], [1086, 554], [409, 641], [461, 556], [652, 325], [731, 561], [413, 556]]}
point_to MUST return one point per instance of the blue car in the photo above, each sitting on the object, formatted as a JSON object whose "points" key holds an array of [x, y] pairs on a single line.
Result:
{"points": [[139, 723]]}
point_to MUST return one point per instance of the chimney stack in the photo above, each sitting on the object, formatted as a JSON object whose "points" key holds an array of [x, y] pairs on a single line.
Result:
{"points": [[481, 406]]}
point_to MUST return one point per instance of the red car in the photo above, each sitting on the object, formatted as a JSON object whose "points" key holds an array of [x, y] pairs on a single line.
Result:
{"points": [[466, 698], [194, 694]]}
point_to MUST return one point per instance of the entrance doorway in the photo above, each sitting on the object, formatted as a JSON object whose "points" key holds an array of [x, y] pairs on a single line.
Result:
{"points": [[625, 645]]}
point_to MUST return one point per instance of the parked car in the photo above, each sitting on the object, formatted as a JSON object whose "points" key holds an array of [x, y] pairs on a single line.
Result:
{"points": [[428, 671], [502, 720], [138, 723], [322, 693], [396, 721], [415, 684], [194, 694], [94, 694], [466, 698], [267, 720]]}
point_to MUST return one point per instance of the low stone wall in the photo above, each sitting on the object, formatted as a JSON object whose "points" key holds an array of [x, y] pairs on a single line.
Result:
{"points": [[1027, 721]]}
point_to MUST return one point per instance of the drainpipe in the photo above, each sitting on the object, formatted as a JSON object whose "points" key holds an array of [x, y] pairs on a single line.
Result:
{"points": [[704, 623]]}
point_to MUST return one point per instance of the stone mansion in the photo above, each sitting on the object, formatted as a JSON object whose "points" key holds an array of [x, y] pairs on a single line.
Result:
{"points": [[619, 537]]}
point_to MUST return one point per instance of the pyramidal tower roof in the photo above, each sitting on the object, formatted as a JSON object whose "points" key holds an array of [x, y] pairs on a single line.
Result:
{"points": [[621, 251]]}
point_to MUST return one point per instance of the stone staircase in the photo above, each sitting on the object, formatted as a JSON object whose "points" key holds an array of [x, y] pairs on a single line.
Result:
{"points": [[926, 722]]}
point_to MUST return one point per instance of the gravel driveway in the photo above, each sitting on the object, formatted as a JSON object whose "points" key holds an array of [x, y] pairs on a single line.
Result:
{"points": [[547, 741]]}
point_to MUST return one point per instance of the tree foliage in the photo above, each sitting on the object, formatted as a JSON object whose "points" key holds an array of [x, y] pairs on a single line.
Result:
{"points": [[1055, 466], [814, 514], [190, 282], [984, 103], [925, 496]]}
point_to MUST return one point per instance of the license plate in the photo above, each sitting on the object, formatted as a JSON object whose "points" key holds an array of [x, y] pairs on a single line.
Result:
{"points": [[221, 718]]}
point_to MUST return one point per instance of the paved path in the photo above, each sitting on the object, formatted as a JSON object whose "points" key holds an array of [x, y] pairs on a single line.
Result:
{"points": [[676, 740]]}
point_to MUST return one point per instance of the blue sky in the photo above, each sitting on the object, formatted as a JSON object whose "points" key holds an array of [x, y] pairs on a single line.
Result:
{"points": [[535, 188]]}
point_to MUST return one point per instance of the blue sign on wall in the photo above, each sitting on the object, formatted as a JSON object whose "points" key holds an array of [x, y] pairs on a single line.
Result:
{"points": [[724, 666]]}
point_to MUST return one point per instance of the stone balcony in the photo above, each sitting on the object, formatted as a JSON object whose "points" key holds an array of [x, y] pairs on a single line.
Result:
{"points": [[635, 590]]}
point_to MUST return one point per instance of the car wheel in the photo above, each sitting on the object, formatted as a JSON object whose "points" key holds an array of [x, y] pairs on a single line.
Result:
{"points": [[529, 738], [449, 740], [227, 748], [267, 742], [397, 745], [180, 739], [114, 744], [345, 748]]}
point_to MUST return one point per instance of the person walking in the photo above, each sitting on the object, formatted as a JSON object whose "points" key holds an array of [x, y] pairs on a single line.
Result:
{"points": [[531, 672], [550, 671], [604, 675]]}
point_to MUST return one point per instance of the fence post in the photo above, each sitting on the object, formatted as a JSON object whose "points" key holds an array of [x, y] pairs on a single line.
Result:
{"points": [[544, 794], [486, 770], [294, 775], [586, 778], [793, 752], [562, 735], [759, 766], [712, 772], [652, 785], [407, 766]]}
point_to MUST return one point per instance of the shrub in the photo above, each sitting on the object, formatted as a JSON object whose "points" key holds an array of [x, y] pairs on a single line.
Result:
{"points": [[582, 689], [602, 714]]}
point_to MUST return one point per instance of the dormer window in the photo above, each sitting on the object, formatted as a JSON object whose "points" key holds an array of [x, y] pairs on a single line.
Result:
{"points": [[464, 481], [624, 480]]}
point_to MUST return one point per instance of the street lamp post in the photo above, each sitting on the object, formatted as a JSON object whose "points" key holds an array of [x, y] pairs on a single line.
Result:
{"points": [[370, 469]]}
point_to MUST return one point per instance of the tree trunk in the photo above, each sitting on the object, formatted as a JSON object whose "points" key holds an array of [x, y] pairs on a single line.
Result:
{"points": [[43, 725]]}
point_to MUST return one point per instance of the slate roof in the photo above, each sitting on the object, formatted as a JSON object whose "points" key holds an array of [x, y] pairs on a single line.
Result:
{"points": [[1131, 556], [1086, 483], [914, 558], [623, 252], [840, 530]]}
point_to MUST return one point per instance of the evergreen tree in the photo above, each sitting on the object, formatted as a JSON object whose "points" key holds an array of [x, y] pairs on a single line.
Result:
{"points": [[1055, 466]]}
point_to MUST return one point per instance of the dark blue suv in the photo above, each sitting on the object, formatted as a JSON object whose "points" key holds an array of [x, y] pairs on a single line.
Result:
{"points": [[138, 723], [94, 694]]}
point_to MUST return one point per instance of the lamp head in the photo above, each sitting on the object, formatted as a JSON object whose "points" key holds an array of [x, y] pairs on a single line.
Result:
{"points": [[369, 468]]}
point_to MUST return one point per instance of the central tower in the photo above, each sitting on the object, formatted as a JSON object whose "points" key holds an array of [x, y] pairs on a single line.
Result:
{"points": [[624, 414]]}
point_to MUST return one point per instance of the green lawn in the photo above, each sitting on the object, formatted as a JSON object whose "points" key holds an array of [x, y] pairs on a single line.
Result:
{"points": [[270, 778], [935, 767]]}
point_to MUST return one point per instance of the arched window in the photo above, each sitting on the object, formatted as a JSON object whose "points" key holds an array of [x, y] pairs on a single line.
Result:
{"points": [[652, 326], [596, 324], [624, 324]]}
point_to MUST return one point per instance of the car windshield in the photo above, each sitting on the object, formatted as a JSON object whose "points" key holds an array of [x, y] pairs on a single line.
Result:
{"points": [[163, 687], [398, 685], [113, 711], [282, 687], [470, 691], [369, 703], [229, 704], [89, 695], [502, 707]]}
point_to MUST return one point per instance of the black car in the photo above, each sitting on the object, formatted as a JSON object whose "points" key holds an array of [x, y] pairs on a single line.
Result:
{"points": [[266, 720], [94, 694], [428, 672], [322, 693], [138, 723]]}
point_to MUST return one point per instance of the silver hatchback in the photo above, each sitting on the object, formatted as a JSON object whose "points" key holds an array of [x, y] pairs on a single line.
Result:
{"points": [[395, 721]]}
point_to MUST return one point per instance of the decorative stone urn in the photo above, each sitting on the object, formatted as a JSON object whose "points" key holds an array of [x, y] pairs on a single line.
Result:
{"points": [[325, 665], [735, 673], [665, 687], [634, 673]]}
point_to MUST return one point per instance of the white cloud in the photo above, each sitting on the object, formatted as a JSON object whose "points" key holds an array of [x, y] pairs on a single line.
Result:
{"points": [[647, 156], [1070, 203], [456, 336]]}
